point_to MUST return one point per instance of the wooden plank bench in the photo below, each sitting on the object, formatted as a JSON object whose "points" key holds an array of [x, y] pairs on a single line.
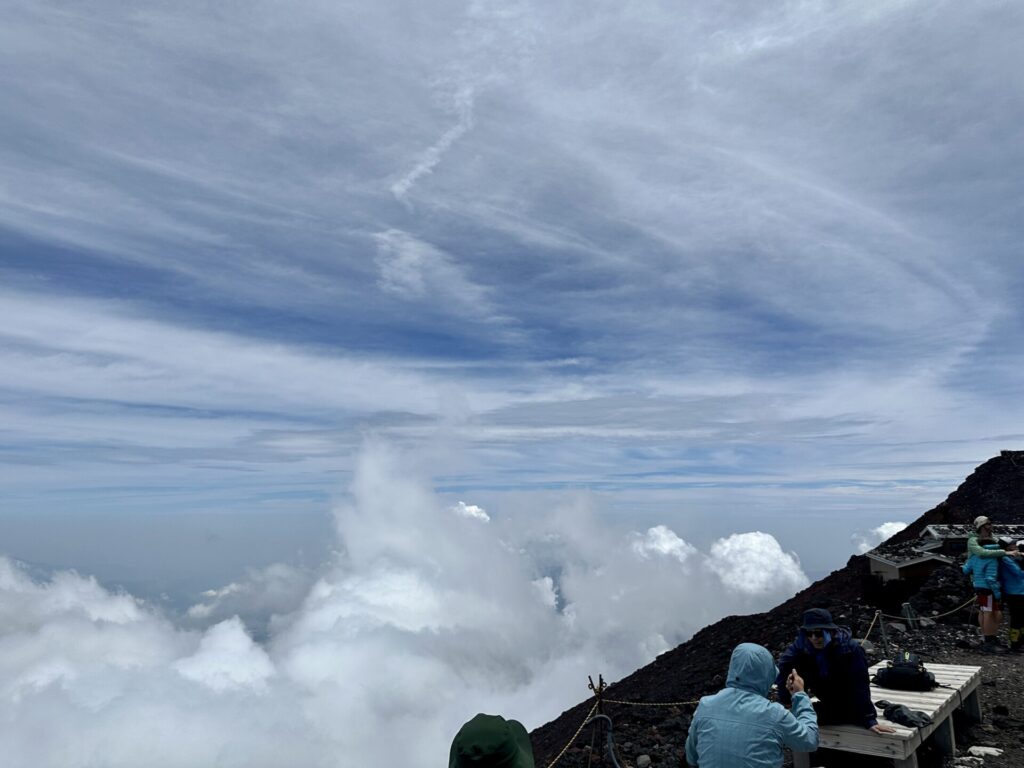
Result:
{"points": [[902, 746]]}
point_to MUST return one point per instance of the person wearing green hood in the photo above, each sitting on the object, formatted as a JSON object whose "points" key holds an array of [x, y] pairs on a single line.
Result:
{"points": [[491, 741], [738, 727]]}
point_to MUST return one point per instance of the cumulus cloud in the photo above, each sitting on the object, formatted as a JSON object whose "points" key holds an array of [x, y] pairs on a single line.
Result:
{"points": [[662, 541], [754, 563], [865, 542], [424, 618], [227, 658], [472, 511]]}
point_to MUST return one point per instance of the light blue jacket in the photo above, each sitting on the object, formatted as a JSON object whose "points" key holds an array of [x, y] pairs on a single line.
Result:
{"points": [[1011, 576], [984, 572], [739, 728]]}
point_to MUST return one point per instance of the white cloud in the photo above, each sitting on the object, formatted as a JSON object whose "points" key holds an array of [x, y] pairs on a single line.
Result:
{"points": [[463, 104], [262, 595], [415, 270], [662, 541], [422, 605], [227, 658], [865, 542], [472, 511], [754, 563]]}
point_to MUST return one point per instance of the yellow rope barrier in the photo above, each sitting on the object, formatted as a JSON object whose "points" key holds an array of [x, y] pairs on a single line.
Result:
{"points": [[940, 616], [652, 703], [578, 731]]}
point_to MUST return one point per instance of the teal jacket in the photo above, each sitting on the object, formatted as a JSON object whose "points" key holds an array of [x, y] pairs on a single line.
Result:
{"points": [[1011, 576], [739, 728], [984, 571]]}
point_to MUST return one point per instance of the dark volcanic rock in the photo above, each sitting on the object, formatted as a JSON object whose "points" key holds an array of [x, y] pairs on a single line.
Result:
{"points": [[697, 667]]}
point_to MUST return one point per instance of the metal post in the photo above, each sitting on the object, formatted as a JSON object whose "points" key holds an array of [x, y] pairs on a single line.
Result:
{"points": [[911, 616], [611, 740], [885, 635]]}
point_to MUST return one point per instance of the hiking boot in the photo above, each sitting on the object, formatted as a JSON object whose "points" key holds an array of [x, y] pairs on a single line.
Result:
{"points": [[993, 648]]}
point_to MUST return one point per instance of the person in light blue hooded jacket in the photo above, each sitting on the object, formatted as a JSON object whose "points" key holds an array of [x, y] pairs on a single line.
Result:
{"points": [[738, 727]]}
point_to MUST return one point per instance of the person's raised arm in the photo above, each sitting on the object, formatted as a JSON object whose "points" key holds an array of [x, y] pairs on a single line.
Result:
{"points": [[799, 726], [787, 662], [974, 548]]}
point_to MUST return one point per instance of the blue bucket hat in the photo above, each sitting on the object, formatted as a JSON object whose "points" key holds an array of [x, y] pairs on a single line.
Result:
{"points": [[817, 618]]}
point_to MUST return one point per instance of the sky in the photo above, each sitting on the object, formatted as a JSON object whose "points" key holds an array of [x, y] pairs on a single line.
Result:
{"points": [[312, 309]]}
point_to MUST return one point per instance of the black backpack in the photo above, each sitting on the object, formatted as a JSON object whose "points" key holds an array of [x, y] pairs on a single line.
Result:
{"points": [[905, 672]]}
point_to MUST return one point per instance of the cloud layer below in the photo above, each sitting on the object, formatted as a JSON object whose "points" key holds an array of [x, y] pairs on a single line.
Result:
{"points": [[427, 615]]}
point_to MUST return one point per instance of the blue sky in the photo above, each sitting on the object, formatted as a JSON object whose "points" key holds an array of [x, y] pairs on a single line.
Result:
{"points": [[684, 303], [723, 266]]}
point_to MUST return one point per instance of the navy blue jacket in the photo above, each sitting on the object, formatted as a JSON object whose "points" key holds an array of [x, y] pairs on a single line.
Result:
{"points": [[837, 675]]}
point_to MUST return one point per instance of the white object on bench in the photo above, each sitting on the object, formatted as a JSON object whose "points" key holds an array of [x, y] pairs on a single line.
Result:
{"points": [[902, 745]]}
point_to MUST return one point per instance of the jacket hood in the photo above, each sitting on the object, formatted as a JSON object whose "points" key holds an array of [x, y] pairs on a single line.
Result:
{"points": [[751, 669]]}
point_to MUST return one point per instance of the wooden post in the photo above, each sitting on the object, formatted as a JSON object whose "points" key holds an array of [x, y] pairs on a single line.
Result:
{"points": [[972, 706], [945, 737], [906, 762]]}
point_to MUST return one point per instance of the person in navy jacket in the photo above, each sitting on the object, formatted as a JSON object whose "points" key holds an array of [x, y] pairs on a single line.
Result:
{"points": [[834, 670]]}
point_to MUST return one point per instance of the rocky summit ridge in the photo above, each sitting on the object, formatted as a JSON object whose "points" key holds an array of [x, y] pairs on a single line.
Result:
{"points": [[654, 735]]}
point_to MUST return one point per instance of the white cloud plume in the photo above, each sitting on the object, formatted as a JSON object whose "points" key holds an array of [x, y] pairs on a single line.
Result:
{"points": [[755, 563], [425, 618], [227, 658], [662, 541], [471, 511], [864, 542]]}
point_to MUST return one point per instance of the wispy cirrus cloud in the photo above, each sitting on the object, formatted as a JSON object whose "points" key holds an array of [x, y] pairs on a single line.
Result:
{"points": [[727, 267]]}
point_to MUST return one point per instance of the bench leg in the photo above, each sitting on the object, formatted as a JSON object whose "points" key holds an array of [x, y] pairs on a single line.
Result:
{"points": [[972, 706], [945, 737], [801, 760], [906, 762]]}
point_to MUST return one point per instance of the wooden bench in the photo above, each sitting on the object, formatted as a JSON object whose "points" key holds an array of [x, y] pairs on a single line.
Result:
{"points": [[902, 746]]}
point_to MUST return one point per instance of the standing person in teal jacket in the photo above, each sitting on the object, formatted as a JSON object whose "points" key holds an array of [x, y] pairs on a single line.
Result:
{"points": [[989, 612], [1011, 578], [984, 573], [739, 728]]}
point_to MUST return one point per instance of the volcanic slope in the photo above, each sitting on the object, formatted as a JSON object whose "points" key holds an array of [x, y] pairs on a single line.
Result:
{"points": [[697, 667]]}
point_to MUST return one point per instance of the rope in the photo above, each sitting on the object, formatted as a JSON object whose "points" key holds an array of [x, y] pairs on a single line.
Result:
{"points": [[578, 732], [940, 616], [652, 703]]}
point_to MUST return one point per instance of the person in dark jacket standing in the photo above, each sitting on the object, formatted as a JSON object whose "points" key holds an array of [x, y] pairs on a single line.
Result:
{"points": [[834, 669]]}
